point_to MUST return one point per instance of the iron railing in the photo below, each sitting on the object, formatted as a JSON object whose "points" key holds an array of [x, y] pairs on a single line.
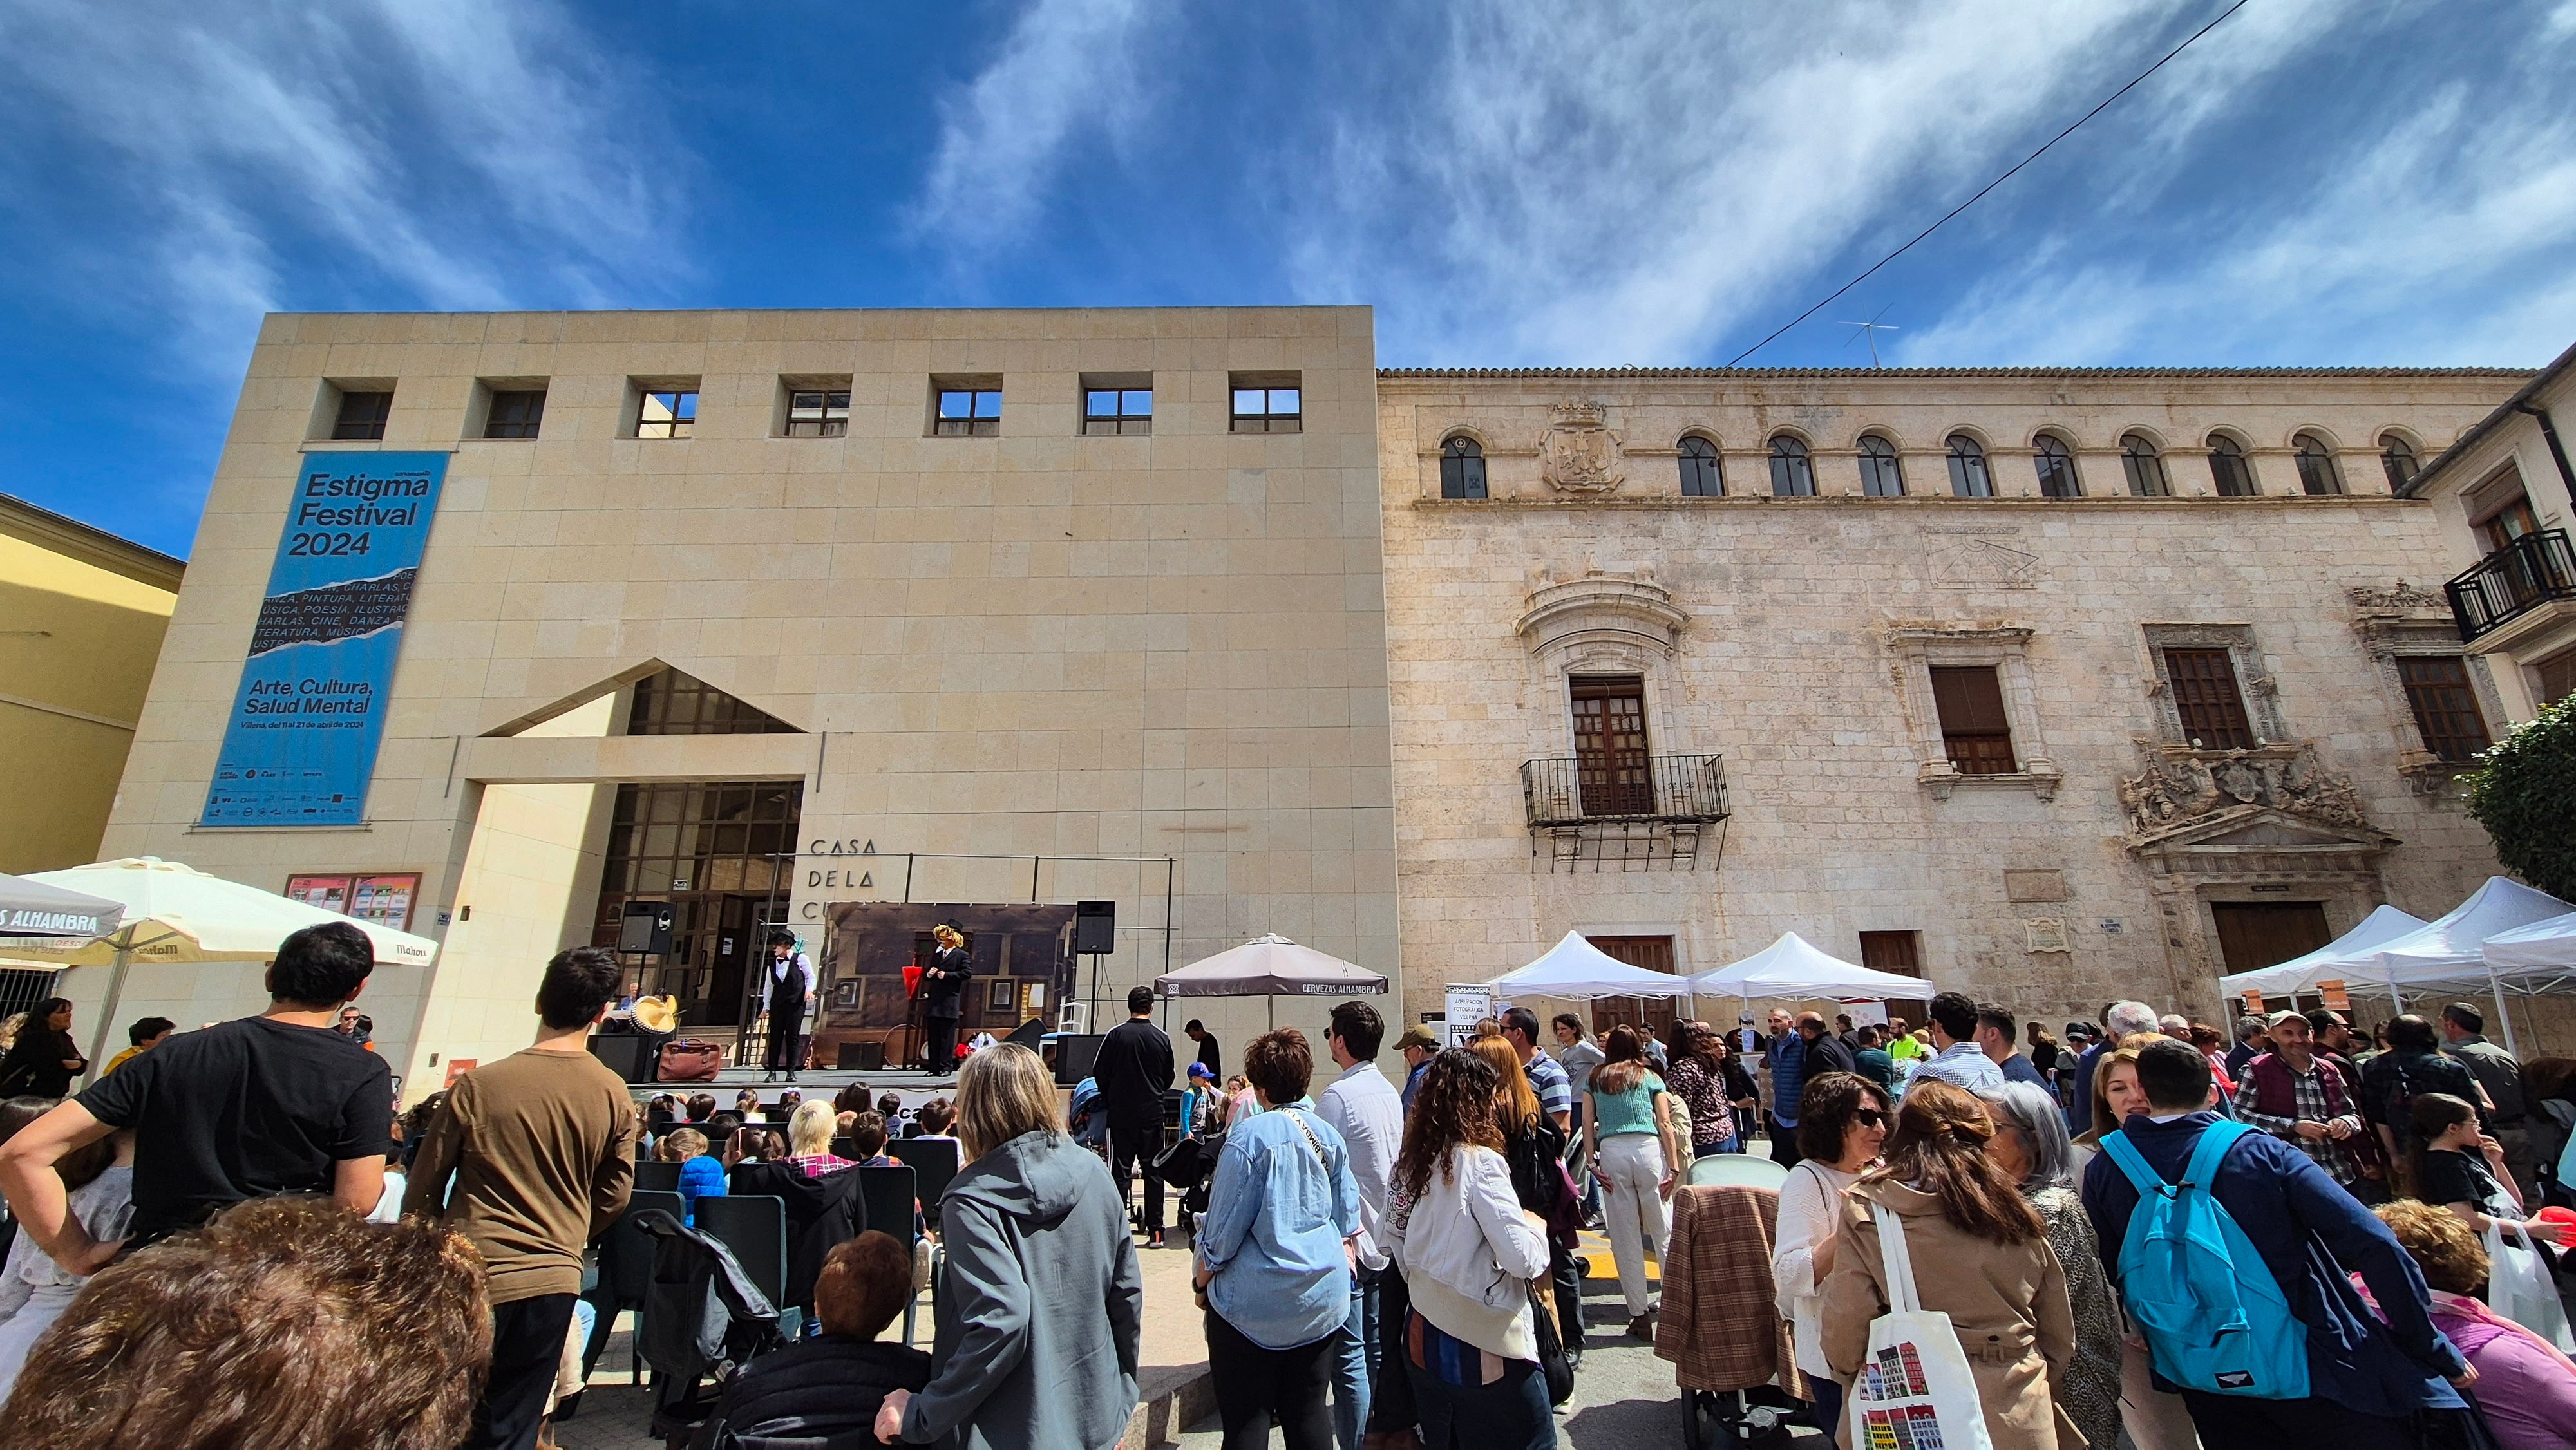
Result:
{"points": [[2512, 581], [1676, 788]]}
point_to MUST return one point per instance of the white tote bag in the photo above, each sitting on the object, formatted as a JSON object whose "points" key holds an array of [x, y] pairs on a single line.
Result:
{"points": [[1915, 1390], [2519, 1287]]}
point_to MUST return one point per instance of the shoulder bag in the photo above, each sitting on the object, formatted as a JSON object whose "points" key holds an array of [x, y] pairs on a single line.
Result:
{"points": [[1915, 1387], [689, 1059]]}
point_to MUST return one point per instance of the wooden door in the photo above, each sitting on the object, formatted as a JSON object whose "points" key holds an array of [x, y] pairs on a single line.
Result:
{"points": [[1610, 764], [1652, 1014], [2253, 935], [1900, 952]]}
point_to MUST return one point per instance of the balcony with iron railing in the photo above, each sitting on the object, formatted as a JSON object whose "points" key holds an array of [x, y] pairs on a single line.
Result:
{"points": [[2526, 574], [1676, 789]]}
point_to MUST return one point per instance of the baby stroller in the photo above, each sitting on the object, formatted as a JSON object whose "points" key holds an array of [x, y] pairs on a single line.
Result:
{"points": [[1190, 1166], [701, 1314], [1720, 1327]]}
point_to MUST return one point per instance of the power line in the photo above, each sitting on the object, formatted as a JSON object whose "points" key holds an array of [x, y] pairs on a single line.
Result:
{"points": [[1989, 186]]}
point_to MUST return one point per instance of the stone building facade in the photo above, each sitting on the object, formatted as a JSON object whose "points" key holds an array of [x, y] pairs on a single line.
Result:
{"points": [[2047, 749], [764, 615]]}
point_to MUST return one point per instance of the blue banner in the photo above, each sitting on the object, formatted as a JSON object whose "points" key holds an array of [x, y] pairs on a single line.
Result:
{"points": [[300, 748]]}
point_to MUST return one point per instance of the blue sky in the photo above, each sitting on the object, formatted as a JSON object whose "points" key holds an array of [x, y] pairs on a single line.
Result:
{"points": [[1508, 182]]}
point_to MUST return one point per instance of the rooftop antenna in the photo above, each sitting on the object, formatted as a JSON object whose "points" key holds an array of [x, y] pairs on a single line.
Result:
{"points": [[1871, 329]]}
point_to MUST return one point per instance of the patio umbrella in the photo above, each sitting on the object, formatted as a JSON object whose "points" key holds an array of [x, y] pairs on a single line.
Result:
{"points": [[1270, 966], [177, 913], [34, 914]]}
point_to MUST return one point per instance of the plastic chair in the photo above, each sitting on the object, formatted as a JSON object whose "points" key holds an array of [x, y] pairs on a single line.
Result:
{"points": [[754, 1228], [886, 1196], [1736, 1170], [657, 1175], [934, 1162], [625, 1278]]}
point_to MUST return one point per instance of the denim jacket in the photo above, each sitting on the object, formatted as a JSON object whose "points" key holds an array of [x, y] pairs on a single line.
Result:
{"points": [[1279, 1208]]}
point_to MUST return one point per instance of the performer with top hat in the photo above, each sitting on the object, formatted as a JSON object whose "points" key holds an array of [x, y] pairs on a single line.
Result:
{"points": [[786, 997]]}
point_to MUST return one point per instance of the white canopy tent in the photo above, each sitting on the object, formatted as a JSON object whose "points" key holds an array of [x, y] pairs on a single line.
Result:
{"points": [[2336, 961], [1270, 966], [2451, 948], [1577, 971], [2534, 960], [1793, 967], [177, 913]]}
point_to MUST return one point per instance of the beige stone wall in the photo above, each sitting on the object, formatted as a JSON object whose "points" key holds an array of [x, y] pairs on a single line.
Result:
{"points": [[1792, 662], [1035, 644]]}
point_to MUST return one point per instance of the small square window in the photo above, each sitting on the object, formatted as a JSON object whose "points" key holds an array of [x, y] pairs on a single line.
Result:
{"points": [[968, 413], [1268, 410], [1110, 411], [362, 415], [516, 413], [666, 413], [818, 412]]}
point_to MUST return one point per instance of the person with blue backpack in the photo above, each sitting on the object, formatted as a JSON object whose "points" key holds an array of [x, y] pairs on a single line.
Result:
{"points": [[2234, 1254]]}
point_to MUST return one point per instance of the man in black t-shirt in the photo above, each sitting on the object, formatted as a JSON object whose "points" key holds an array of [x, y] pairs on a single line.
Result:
{"points": [[1132, 1070], [279, 1103], [1209, 1052]]}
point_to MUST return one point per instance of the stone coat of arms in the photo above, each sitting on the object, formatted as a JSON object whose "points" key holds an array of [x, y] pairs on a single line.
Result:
{"points": [[1578, 453]]}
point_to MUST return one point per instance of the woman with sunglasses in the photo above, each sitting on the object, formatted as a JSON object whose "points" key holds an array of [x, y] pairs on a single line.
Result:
{"points": [[1842, 1119]]}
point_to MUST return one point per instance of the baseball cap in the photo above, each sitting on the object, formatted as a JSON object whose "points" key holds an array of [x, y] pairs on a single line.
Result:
{"points": [[1201, 1069], [1417, 1035]]}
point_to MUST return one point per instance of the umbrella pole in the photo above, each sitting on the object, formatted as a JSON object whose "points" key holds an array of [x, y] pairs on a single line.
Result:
{"points": [[1270, 1005], [107, 1009]]}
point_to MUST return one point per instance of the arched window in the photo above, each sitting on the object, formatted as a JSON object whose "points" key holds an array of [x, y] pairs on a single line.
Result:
{"points": [[1462, 468], [2228, 468], [2317, 472], [1968, 476], [1880, 474], [1793, 474], [2056, 464], [2397, 458], [2145, 466], [1700, 475]]}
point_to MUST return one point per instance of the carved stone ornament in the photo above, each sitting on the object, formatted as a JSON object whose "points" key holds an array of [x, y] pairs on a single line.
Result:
{"points": [[2399, 598], [1578, 453], [2179, 787], [1980, 556]]}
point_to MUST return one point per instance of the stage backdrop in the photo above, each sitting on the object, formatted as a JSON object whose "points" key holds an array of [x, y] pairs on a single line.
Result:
{"points": [[300, 747], [1022, 954]]}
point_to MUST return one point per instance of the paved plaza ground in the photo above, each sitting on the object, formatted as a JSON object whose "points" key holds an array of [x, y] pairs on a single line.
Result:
{"points": [[1623, 1400]]}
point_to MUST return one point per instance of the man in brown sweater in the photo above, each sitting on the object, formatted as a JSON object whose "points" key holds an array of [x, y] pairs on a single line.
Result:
{"points": [[540, 1148]]}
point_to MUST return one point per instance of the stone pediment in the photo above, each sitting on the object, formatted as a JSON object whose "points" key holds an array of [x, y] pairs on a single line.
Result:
{"points": [[2264, 829], [2182, 786], [1602, 608]]}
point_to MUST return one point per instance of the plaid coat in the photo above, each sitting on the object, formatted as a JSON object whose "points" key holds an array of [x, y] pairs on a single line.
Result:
{"points": [[1720, 1325]]}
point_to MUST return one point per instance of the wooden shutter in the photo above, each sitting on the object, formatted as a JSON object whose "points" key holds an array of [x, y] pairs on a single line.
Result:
{"points": [[2207, 700], [1610, 764], [1652, 1014], [2446, 709], [1974, 730]]}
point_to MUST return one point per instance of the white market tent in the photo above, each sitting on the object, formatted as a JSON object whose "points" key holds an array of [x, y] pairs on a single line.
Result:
{"points": [[2333, 962], [1792, 967], [1270, 966], [177, 913], [2452, 948], [2535, 959], [1575, 970]]}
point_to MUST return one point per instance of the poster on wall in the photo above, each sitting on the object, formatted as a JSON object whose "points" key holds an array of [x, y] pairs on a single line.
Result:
{"points": [[1467, 1003], [384, 899], [300, 745]]}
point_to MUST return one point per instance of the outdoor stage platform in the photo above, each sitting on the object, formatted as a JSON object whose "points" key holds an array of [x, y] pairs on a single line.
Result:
{"points": [[915, 1088]]}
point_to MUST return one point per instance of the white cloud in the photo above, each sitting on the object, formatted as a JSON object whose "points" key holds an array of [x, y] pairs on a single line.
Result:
{"points": [[460, 155], [1069, 71], [2440, 240]]}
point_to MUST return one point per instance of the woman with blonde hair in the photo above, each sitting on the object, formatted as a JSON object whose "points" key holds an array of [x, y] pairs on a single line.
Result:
{"points": [[1980, 1255], [1041, 1300], [2155, 1419]]}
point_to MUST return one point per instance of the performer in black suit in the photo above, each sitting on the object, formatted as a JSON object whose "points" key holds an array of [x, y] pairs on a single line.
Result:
{"points": [[943, 991], [1132, 1070], [787, 995]]}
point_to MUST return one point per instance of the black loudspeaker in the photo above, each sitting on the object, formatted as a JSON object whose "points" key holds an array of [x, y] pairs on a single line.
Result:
{"points": [[646, 927], [1074, 1056], [1095, 927]]}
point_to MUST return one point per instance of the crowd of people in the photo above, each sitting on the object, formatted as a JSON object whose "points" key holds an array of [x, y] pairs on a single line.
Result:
{"points": [[1382, 1257]]}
